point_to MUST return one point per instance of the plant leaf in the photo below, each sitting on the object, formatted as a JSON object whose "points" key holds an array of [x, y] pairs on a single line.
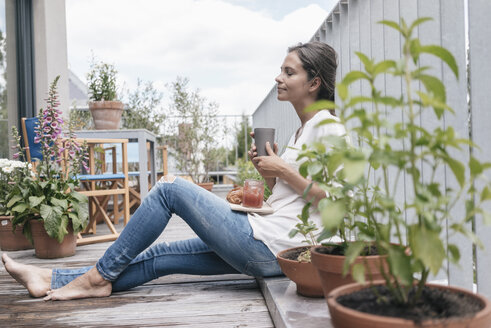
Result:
{"points": [[14, 200], [332, 214], [353, 251], [421, 240], [392, 24], [321, 104], [35, 201], [444, 55], [354, 76], [457, 168], [400, 265], [358, 273]]}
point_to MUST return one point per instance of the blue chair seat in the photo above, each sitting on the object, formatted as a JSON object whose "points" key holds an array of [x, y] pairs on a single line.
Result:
{"points": [[135, 174], [92, 177]]}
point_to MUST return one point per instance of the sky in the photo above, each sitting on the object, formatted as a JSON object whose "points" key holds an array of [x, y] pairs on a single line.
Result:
{"points": [[231, 50]]}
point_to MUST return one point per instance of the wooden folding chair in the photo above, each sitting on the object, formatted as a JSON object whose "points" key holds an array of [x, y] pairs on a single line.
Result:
{"points": [[117, 185]]}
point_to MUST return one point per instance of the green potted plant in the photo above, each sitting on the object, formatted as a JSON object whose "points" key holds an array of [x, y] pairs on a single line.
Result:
{"points": [[106, 110], [296, 262], [46, 203], [196, 140], [12, 172], [414, 246]]}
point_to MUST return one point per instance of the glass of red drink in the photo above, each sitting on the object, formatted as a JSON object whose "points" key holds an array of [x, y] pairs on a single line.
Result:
{"points": [[253, 193]]}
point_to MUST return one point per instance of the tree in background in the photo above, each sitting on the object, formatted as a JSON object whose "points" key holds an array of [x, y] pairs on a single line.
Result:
{"points": [[242, 130], [144, 108], [196, 141]]}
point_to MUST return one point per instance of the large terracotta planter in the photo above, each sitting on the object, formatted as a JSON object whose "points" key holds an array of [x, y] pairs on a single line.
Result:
{"points": [[343, 317], [303, 274], [330, 268], [48, 248], [206, 185], [106, 114], [12, 240]]}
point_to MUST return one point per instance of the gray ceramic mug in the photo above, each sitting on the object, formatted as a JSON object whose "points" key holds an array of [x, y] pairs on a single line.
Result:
{"points": [[261, 136]]}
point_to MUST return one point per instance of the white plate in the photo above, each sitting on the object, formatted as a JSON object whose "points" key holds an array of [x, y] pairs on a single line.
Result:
{"points": [[266, 209]]}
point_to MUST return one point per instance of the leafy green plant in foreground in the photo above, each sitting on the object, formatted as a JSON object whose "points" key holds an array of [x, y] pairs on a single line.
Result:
{"points": [[364, 178]]}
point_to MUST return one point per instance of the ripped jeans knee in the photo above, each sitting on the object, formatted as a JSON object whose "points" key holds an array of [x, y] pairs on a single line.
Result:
{"points": [[168, 179]]}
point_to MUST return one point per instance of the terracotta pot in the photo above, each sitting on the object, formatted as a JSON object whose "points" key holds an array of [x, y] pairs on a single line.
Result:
{"points": [[9, 240], [106, 114], [303, 274], [48, 248], [343, 317], [330, 268], [207, 185]]}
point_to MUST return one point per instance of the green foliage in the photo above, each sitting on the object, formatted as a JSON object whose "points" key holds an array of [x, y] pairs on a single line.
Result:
{"points": [[101, 81], [143, 108], [363, 180], [242, 134], [196, 141], [81, 119], [48, 193]]}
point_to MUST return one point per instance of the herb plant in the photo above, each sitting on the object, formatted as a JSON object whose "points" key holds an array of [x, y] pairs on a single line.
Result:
{"points": [[385, 152]]}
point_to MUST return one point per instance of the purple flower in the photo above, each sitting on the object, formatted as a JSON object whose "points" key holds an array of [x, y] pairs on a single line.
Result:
{"points": [[15, 156], [37, 139]]}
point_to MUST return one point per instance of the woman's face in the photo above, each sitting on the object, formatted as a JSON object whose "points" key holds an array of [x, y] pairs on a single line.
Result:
{"points": [[292, 81]]}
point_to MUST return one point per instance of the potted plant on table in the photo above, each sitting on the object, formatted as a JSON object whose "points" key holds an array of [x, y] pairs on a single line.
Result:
{"points": [[413, 246], [106, 110], [12, 172], [46, 203]]}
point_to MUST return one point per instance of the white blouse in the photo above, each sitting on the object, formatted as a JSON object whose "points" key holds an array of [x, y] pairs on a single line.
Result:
{"points": [[273, 229]]}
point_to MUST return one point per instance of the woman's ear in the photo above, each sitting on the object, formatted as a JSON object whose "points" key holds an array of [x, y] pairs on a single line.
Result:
{"points": [[315, 84]]}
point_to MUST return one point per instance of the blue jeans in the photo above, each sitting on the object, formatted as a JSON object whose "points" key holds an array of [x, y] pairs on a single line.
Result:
{"points": [[225, 244]]}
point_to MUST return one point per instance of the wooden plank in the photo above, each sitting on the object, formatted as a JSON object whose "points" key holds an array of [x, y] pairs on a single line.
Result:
{"points": [[170, 301]]}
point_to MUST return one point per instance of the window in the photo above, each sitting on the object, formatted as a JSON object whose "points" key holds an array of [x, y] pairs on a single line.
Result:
{"points": [[4, 131]]}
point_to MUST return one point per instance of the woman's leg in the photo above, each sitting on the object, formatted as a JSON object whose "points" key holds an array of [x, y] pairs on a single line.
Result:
{"points": [[190, 256], [225, 232]]}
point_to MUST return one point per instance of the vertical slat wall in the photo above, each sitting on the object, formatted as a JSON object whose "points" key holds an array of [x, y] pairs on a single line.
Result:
{"points": [[480, 78], [280, 115], [452, 22], [352, 26]]}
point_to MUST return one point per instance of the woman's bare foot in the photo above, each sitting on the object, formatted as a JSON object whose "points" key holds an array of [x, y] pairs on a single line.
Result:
{"points": [[36, 280], [90, 284]]}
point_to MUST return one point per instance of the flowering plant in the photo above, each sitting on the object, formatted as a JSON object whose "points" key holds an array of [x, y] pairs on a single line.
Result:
{"points": [[11, 173], [49, 194]]}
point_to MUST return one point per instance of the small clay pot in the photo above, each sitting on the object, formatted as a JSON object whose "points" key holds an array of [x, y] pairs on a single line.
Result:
{"points": [[303, 274], [12, 240], [330, 268], [106, 114], [49, 248], [206, 185]]}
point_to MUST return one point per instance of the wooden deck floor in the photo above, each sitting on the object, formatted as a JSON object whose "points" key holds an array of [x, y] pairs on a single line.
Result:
{"points": [[172, 301]]}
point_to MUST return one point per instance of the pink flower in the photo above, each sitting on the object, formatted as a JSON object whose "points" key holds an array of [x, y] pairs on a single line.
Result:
{"points": [[15, 156]]}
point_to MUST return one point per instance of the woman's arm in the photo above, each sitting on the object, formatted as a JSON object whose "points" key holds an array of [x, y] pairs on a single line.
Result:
{"points": [[273, 166]]}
